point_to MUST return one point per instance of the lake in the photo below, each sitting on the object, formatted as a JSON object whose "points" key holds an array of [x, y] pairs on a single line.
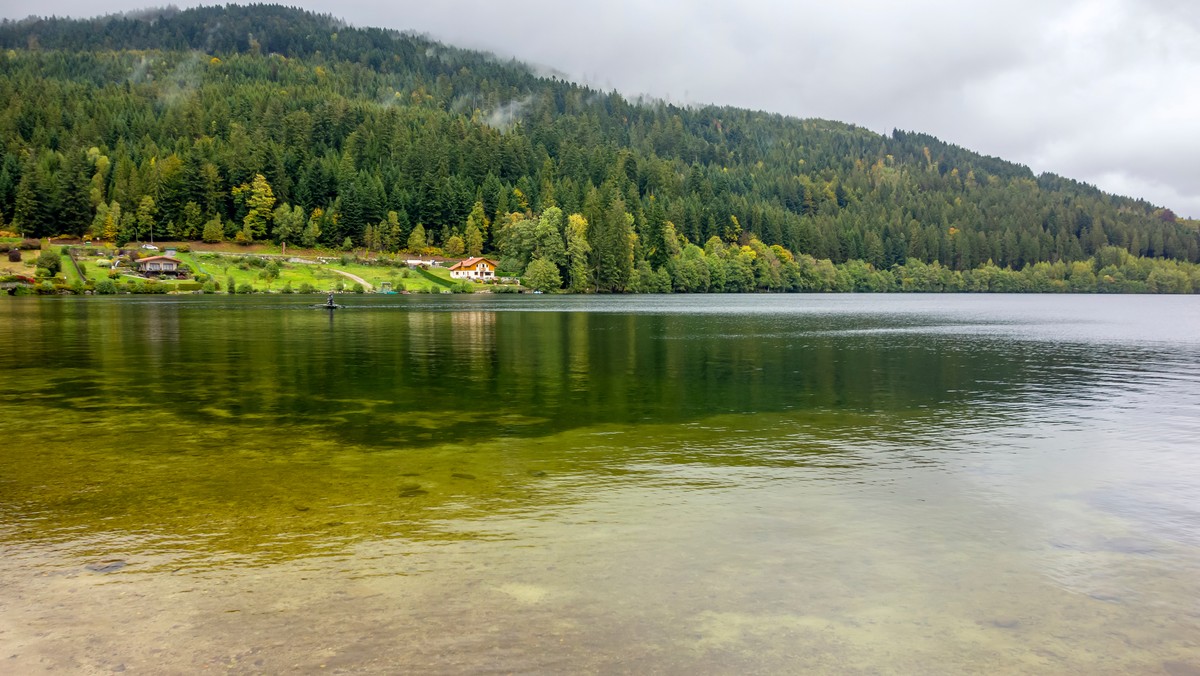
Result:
{"points": [[683, 484]]}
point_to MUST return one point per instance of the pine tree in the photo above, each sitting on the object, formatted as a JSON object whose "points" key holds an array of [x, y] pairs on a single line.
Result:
{"points": [[146, 214], [75, 206], [27, 210]]}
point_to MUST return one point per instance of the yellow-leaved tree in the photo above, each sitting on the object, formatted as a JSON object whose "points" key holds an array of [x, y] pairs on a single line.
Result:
{"points": [[260, 201]]}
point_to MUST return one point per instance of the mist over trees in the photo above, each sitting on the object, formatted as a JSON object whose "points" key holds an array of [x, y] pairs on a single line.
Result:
{"points": [[268, 123]]}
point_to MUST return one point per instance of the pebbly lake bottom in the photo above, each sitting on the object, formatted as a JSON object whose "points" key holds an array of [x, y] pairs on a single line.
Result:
{"points": [[815, 487]]}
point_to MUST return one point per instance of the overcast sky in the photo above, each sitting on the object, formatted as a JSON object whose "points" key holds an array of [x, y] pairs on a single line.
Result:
{"points": [[1104, 91]]}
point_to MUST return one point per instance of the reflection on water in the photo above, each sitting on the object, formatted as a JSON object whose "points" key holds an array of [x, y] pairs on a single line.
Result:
{"points": [[838, 483]]}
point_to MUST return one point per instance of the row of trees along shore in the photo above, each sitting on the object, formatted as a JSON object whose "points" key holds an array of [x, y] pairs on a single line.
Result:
{"points": [[268, 123]]}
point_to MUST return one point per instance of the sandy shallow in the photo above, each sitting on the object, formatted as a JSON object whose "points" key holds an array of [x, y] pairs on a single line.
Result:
{"points": [[705, 589]]}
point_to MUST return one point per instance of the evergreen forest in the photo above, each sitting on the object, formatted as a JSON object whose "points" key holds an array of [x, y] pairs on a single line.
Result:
{"points": [[266, 123]]}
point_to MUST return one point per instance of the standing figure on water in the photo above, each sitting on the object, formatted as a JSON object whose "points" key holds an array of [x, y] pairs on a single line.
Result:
{"points": [[329, 301]]}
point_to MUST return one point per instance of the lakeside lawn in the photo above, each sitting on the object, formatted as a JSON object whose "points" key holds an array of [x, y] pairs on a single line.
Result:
{"points": [[256, 273], [258, 269]]}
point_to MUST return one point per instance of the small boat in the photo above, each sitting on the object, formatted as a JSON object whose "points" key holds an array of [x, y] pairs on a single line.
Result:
{"points": [[328, 304]]}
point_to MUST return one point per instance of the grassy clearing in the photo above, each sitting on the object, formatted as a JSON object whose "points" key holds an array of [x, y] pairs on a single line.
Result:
{"points": [[24, 267], [69, 273], [256, 271], [252, 271]]}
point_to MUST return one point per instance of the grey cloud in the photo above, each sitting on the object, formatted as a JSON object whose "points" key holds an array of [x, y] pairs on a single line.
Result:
{"points": [[1099, 90]]}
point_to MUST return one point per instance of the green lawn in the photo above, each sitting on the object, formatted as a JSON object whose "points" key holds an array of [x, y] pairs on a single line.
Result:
{"points": [[94, 271], [250, 270], [414, 280], [322, 277], [69, 273]]}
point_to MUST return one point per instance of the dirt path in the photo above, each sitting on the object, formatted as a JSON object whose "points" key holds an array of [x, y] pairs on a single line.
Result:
{"points": [[366, 285]]}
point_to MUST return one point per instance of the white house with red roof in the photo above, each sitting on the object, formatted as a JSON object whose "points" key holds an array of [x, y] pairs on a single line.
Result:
{"points": [[475, 269]]}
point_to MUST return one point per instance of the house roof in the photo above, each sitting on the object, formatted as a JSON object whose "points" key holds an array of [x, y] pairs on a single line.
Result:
{"points": [[471, 262], [158, 258]]}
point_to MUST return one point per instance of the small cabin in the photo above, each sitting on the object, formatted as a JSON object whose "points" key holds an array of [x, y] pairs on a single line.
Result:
{"points": [[159, 265], [477, 269]]}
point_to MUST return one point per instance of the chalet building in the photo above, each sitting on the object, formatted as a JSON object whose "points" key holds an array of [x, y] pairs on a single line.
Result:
{"points": [[159, 265], [475, 269]]}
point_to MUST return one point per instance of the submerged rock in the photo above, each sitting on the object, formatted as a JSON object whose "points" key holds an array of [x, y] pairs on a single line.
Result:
{"points": [[1175, 668], [463, 475], [412, 491], [109, 566]]}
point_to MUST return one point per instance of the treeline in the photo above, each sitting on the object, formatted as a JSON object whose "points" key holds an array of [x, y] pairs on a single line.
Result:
{"points": [[268, 123], [555, 252]]}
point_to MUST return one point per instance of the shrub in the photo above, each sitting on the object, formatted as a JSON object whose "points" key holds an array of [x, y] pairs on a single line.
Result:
{"points": [[50, 261], [245, 288], [46, 287], [287, 288], [305, 287], [14, 255], [30, 244], [209, 287], [357, 288], [213, 232]]}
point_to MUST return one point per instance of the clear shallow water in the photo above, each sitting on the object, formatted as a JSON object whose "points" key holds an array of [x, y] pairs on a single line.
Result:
{"points": [[894, 484]]}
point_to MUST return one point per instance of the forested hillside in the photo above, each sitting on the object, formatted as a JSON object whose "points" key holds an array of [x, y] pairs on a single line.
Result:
{"points": [[264, 122]]}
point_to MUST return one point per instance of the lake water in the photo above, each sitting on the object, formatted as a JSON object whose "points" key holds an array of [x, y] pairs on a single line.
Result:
{"points": [[685, 484]]}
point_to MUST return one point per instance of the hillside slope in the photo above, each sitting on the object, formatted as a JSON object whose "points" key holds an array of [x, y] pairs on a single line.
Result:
{"points": [[119, 125]]}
